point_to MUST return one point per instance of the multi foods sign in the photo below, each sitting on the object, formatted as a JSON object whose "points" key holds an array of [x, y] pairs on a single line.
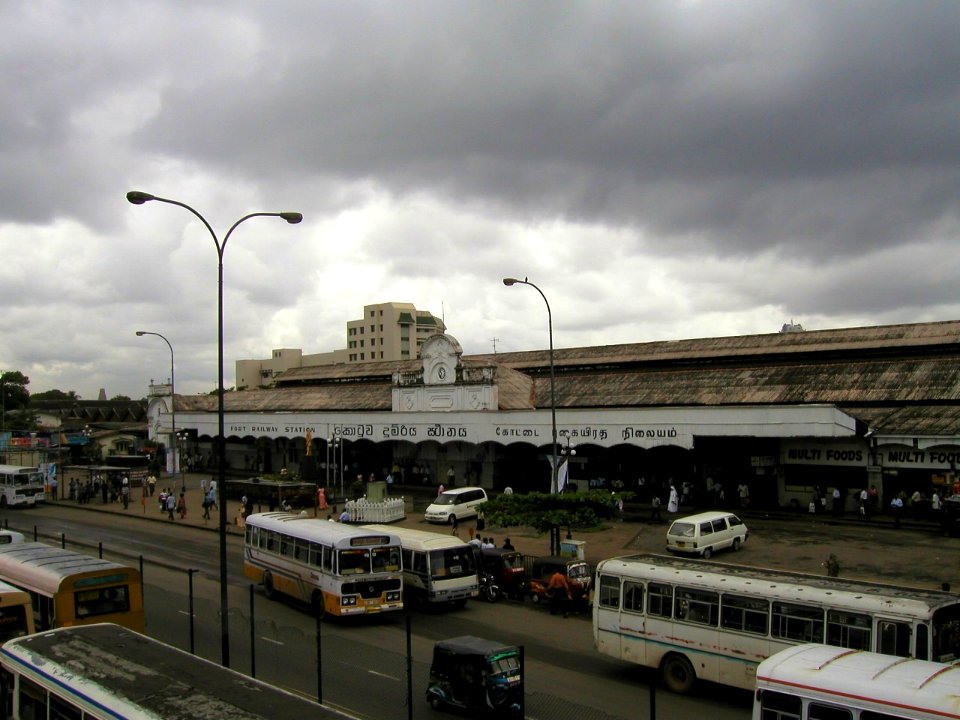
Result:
{"points": [[860, 456]]}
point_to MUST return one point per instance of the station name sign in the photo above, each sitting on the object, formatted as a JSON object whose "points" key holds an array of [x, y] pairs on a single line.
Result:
{"points": [[605, 435]]}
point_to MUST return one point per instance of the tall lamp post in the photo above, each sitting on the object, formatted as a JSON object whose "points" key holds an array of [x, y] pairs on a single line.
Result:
{"points": [[553, 398], [173, 409], [332, 442], [139, 198]]}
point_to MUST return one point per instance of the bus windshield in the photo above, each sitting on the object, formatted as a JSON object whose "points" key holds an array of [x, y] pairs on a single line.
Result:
{"points": [[386, 559], [354, 561], [13, 622], [27, 479], [452, 562]]}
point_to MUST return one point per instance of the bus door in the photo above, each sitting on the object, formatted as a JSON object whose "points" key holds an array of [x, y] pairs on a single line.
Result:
{"points": [[633, 622], [894, 638]]}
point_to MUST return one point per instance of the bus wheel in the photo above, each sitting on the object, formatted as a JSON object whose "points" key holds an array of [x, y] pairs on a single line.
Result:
{"points": [[316, 604], [3, 501], [268, 588], [678, 674]]}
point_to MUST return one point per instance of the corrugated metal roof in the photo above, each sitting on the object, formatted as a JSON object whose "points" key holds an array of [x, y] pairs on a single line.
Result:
{"points": [[898, 379]]}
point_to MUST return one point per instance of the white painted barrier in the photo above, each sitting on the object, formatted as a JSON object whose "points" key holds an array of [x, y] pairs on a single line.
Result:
{"points": [[379, 511]]}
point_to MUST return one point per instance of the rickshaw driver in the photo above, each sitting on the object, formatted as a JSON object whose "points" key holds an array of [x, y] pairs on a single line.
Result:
{"points": [[559, 591]]}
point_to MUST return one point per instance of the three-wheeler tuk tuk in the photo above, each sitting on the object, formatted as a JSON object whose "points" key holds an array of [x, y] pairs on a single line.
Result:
{"points": [[477, 675]]}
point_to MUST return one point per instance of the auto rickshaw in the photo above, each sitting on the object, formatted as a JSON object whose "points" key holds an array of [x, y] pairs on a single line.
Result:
{"points": [[578, 578], [506, 567], [478, 675]]}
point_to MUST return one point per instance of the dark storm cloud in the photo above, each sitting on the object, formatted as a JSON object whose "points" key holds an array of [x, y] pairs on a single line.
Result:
{"points": [[661, 169], [816, 126]]}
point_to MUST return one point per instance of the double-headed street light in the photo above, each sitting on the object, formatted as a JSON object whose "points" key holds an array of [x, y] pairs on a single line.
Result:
{"points": [[553, 398], [173, 411], [139, 198]]}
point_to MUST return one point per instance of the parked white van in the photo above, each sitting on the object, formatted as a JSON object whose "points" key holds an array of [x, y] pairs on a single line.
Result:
{"points": [[459, 504], [704, 533]]}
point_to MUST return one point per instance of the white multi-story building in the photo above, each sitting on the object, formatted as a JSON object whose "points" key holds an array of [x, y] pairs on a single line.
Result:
{"points": [[387, 331]]}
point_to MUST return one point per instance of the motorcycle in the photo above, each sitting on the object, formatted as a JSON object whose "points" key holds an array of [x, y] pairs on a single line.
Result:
{"points": [[489, 590]]}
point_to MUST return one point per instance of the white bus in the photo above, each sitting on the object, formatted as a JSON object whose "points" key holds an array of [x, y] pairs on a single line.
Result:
{"points": [[338, 569], [108, 672], [820, 682], [437, 568], [20, 485], [695, 619]]}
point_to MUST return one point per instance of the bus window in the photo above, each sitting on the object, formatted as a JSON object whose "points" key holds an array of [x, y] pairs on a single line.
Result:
{"points": [[60, 709], [817, 711], [660, 599], [696, 606], [780, 706], [632, 596], [608, 594], [328, 558], [895, 639], [102, 601], [849, 630], [32, 700], [923, 643], [746, 614], [797, 622]]}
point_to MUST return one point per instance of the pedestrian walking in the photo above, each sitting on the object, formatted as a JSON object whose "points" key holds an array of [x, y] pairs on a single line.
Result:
{"points": [[655, 509], [896, 508], [559, 591], [674, 503], [171, 505]]}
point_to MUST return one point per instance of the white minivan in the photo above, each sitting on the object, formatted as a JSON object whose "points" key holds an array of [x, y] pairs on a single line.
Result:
{"points": [[457, 504], [704, 533]]}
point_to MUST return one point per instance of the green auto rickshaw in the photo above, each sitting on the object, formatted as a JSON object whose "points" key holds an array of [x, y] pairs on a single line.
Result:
{"points": [[478, 675]]}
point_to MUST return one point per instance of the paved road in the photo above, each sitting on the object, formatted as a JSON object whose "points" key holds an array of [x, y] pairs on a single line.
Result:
{"points": [[915, 554]]}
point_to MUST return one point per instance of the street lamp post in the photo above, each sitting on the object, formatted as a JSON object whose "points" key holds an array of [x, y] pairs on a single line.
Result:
{"points": [[173, 410], [139, 198], [332, 443], [182, 437], [553, 398]]}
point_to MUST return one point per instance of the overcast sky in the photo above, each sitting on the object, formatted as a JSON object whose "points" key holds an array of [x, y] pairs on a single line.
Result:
{"points": [[661, 170]]}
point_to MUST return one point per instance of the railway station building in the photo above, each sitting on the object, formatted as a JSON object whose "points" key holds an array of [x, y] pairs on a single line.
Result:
{"points": [[783, 413]]}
